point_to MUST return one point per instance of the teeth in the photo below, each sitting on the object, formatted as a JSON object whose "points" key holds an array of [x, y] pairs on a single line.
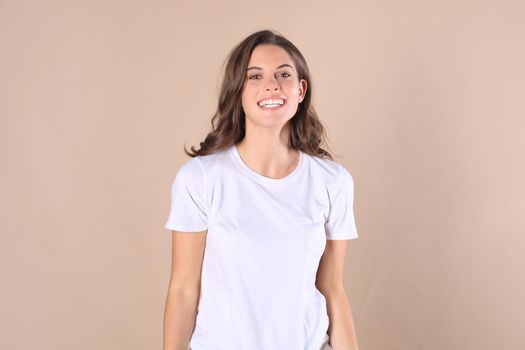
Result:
{"points": [[277, 102]]}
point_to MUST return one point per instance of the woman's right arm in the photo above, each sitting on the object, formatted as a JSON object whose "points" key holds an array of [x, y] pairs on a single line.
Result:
{"points": [[184, 288]]}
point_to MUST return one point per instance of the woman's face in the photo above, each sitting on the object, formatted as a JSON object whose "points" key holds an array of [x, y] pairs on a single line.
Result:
{"points": [[271, 77]]}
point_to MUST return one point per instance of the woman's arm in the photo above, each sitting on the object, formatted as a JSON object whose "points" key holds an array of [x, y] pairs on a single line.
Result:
{"points": [[179, 319], [330, 282], [184, 289]]}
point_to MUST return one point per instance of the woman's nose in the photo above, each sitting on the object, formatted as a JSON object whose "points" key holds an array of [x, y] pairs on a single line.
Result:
{"points": [[273, 83]]}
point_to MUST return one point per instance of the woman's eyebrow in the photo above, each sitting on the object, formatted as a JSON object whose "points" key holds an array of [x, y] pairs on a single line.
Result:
{"points": [[282, 65]]}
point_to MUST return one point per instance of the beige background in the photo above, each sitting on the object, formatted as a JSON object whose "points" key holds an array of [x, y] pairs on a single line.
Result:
{"points": [[423, 101]]}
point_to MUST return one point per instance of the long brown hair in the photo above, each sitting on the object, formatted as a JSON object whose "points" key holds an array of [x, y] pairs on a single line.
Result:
{"points": [[228, 123]]}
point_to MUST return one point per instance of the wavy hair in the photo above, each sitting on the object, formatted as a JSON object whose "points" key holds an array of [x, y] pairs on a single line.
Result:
{"points": [[228, 123]]}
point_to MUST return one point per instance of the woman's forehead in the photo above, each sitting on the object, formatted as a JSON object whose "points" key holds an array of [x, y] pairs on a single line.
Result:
{"points": [[270, 57]]}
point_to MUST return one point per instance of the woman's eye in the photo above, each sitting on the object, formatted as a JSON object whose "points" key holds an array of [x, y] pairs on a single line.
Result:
{"points": [[253, 77]]}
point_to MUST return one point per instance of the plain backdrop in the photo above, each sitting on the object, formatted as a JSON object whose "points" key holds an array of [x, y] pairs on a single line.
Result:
{"points": [[423, 102]]}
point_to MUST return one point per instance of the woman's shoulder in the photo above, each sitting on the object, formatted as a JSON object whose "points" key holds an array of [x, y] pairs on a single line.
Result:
{"points": [[210, 160], [326, 167], [204, 164]]}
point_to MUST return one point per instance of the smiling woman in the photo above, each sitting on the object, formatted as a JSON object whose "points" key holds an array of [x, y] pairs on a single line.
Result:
{"points": [[264, 61], [261, 88], [260, 216]]}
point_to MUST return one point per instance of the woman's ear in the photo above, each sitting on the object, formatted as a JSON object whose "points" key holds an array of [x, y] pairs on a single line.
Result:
{"points": [[302, 90]]}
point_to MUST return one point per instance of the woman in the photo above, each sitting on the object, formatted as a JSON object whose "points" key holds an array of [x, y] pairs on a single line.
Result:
{"points": [[260, 217]]}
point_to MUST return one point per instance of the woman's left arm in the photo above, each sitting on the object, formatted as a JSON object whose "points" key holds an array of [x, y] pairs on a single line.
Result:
{"points": [[330, 282]]}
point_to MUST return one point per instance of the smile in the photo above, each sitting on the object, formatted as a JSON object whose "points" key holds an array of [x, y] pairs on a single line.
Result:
{"points": [[271, 104]]}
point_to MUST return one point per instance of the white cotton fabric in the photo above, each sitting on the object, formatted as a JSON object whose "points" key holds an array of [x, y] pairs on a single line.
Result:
{"points": [[263, 246]]}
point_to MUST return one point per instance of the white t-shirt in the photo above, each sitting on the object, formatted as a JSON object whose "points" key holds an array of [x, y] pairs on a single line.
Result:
{"points": [[263, 246]]}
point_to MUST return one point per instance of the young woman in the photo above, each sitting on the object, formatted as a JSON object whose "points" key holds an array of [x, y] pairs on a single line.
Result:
{"points": [[260, 217]]}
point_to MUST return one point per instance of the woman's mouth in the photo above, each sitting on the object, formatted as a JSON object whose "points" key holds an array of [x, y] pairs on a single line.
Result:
{"points": [[271, 104]]}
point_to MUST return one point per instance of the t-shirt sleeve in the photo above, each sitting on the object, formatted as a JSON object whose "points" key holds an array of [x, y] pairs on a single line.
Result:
{"points": [[340, 223], [188, 199]]}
